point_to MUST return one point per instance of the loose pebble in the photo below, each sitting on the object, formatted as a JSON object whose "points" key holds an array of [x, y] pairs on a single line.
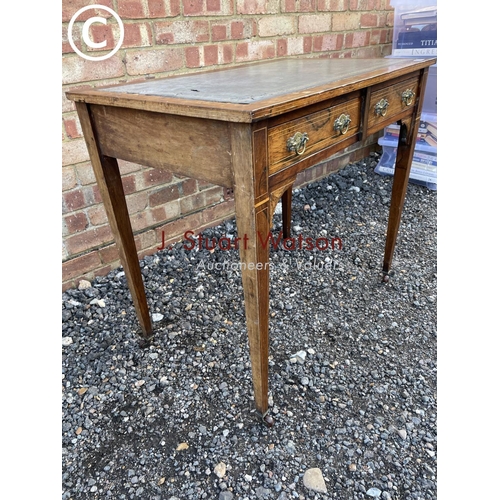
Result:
{"points": [[374, 492], [220, 469], [84, 284], [313, 480]]}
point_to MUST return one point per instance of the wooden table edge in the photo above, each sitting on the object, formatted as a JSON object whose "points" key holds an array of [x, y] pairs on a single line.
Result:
{"points": [[242, 113]]}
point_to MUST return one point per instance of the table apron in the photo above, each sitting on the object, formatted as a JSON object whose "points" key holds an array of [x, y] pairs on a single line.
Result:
{"points": [[191, 147]]}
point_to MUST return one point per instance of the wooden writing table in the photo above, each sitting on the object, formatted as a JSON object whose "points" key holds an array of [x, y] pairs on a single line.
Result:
{"points": [[251, 128]]}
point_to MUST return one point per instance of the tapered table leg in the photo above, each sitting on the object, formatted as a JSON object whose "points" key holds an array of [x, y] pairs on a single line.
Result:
{"points": [[252, 218], [406, 144], [110, 185], [286, 204]]}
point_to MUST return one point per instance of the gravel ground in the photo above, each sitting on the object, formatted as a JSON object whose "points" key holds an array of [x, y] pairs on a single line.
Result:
{"points": [[352, 364]]}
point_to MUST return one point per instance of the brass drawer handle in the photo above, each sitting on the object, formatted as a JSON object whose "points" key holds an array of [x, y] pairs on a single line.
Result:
{"points": [[407, 97], [297, 143], [381, 107], [342, 123]]}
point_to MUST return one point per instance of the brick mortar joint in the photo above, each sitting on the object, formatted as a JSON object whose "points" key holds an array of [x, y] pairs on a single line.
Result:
{"points": [[221, 19], [137, 233]]}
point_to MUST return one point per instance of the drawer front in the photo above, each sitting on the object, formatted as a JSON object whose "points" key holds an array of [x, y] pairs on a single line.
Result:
{"points": [[391, 100], [297, 139]]}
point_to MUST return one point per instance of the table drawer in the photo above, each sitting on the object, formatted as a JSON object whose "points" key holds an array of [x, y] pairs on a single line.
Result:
{"points": [[299, 138], [391, 100]]}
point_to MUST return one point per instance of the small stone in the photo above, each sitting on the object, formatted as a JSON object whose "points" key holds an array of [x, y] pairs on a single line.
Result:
{"points": [[354, 188], [304, 381], [84, 284], [226, 495], [301, 355], [374, 492], [182, 446], [66, 341], [262, 492], [247, 478], [352, 467], [313, 480], [220, 470], [402, 433], [157, 317]]}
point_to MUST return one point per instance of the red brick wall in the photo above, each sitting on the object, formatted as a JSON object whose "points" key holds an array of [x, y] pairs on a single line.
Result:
{"points": [[165, 37]]}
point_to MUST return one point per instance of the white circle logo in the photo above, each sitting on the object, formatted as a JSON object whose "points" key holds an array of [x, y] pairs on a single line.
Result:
{"points": [[85, 33]]}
